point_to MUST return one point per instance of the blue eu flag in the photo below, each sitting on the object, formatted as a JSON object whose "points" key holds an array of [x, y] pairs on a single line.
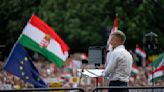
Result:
{"points": [[19, 64]]}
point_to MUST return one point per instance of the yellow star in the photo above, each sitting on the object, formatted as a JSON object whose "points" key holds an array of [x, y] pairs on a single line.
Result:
{"points": [[27, 77], [21, 68], [22, 73], [26, 59]]}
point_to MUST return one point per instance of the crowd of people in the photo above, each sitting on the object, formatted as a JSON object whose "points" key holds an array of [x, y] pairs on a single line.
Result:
{"points": [[141, 78], [69, 77]]}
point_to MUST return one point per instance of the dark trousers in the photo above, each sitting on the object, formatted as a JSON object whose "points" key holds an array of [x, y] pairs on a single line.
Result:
{"points": [[118, 83]]}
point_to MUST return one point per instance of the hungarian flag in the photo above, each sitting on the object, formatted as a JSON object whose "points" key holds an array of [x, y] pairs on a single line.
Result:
{"points": [[140, 52], [134, 70], [115, 27], [157, 74], [39, 37]]}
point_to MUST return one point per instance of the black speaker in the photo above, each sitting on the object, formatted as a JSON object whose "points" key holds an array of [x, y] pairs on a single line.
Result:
{"points": [[151, 43]]}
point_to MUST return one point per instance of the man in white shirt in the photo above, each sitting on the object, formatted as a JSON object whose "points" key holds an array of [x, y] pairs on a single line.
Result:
{"points": [[119, 64]]}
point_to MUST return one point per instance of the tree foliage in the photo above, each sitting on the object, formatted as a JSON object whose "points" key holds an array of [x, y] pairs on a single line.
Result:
{"points": [[81, 23]]}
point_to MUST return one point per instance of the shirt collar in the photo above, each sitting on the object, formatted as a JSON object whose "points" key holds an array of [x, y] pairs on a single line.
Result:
{"points": [[120, 46]]}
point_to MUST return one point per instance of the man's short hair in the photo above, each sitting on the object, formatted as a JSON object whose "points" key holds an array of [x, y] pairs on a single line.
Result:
{"points": [[120, 34]]}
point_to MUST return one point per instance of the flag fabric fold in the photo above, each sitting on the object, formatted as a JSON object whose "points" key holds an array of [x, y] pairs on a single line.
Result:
{"points": [[109, 46], [140, 52], [159, 61], [20, 64], [115, 28], [135, 70], [41, 38], [158, 74]]}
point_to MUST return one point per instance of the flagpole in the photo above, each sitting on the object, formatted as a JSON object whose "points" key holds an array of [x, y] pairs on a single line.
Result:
{"points": [[10, 54]]}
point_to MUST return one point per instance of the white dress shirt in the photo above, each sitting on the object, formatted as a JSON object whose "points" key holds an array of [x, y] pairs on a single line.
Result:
{"points": [[119, 64]]}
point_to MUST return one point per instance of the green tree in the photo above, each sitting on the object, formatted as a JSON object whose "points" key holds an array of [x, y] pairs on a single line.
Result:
{"points": [[14, 16], [80, 23]]}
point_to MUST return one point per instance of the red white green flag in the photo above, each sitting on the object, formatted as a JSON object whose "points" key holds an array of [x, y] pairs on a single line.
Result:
{"points": [[39, 37], [157, 74], [134, 70], [115, 28], [140, 51]]}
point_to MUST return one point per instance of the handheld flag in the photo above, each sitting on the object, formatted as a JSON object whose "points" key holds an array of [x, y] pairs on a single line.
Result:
{"points": [[135, 70], [109, 46], [19, 64], [140, 51], [39, 37], [115, 28], [157, 74]]}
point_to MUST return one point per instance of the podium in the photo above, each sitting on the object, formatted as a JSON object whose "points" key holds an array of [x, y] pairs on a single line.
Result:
{"points": [[92, 73]]}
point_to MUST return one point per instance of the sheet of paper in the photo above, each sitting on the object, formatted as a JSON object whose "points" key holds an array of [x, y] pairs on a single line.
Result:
{"points": [[91, 72]]}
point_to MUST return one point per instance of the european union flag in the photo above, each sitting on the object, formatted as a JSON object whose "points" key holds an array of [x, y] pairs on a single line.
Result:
{"points": [[21, 65]]}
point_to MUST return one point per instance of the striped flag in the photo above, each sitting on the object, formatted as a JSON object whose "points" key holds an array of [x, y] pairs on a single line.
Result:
{"points": [[140, 52], [157, 74], [134, 70], [39, 37], [115, 28]]}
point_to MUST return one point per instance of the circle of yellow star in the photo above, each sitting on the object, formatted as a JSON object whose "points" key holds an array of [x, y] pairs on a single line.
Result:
{"points": [[21, 68], [27, 77], [25, 58]]}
